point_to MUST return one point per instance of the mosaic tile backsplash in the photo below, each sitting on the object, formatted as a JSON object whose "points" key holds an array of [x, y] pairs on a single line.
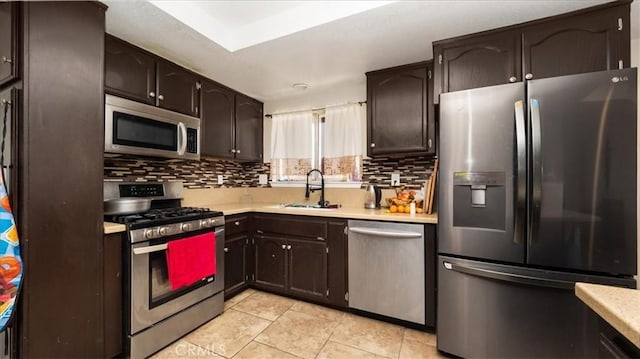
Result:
{"points": [[204, 173]]}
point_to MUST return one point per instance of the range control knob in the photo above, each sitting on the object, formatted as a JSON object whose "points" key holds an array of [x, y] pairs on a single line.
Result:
{"points": [[209, 222], [148, 233], [186, 227], [163, 231]]}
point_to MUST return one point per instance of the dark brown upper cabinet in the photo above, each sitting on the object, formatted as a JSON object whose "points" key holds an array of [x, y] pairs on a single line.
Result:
{"points": [[400, 116], [483, 60], [231, 124], [141, 76], [8, 41], [129, 72], [248, 129], [178, 89], [591, 42], [586, 40], [218, 121]]}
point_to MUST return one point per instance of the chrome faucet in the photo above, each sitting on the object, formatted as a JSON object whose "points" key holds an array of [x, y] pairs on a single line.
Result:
{"points": [[312, 188]]}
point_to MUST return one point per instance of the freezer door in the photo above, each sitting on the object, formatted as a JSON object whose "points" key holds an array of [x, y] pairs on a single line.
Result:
{"points": [[583, 172], [497, 311], [482, 179]]}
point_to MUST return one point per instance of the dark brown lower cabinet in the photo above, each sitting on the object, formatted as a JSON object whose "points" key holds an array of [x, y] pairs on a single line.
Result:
{"points": [[307, 269], [301, 256], [112, 302], [271, 262], [235, 260]]}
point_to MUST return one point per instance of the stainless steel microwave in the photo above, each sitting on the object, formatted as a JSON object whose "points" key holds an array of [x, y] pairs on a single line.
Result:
{"points": [[138, 129]]}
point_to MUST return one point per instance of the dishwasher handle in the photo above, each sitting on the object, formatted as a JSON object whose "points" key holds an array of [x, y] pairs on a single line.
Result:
{"points": [[385, 233]]}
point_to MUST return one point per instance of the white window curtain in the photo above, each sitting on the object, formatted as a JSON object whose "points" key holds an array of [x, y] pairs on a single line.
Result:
{"points": [[291, 146], [342, 143]]}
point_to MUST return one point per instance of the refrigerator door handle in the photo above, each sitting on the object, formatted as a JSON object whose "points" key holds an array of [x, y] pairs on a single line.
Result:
{"points": [[509, 277], [536, 164], [521, 173]]}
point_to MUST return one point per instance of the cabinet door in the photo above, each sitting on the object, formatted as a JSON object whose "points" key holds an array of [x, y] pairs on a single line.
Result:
{"points": [[307, 268], [576, 44], [112, 301], [8, 41], [397, 111], [129, 72], [270, 257], [217, 125], [234, 264], [9, 99], [337, 263], [248, 132], [478, 61], [178, 89]]}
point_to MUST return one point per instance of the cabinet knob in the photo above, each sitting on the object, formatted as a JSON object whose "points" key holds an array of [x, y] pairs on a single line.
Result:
{"points": [[233, 150], [320, 238], [512, 79], [6, 60], [152, 94], [226, 249], [528, 76], [289, 247], [160, 97], [237, 151], [373, 145], [237, 223], [429, 143], [284, 246]]}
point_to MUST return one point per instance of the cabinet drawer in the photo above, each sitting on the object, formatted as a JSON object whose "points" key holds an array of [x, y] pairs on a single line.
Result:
{"points": [[292, 225], [234, 225]]}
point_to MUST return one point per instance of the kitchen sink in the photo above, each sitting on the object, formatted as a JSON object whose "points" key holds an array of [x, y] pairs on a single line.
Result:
{"points": [[305, 206]]}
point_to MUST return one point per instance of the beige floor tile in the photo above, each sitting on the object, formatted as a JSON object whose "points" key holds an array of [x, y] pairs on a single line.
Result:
{"points": [[298, 333], [264, 305], [228, 333], [255, 350], [424, 337], [318, 311], [184, 349], [334, 350], [238, 298], [369, 335], [412, 349]]}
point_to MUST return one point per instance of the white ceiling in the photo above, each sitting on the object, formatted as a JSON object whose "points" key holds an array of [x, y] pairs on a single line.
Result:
{"points": [[327, 55]]}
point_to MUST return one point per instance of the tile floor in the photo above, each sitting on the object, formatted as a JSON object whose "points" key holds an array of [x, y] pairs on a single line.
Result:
{"points": [[262, 325]]}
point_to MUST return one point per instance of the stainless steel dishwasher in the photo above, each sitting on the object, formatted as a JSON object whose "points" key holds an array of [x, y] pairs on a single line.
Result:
{"points": [[387, 269]]}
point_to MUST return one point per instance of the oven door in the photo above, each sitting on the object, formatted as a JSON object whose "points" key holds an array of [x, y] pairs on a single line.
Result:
{"points": [[140, 129], [152, 298]]}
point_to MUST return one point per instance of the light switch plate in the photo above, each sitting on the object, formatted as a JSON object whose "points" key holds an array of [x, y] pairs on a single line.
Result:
{"points": [[262, 179], [220, 179], [395, 179]]}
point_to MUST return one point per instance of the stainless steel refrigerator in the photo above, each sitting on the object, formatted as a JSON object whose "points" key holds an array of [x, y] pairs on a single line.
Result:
{"points": [[537, 191]]}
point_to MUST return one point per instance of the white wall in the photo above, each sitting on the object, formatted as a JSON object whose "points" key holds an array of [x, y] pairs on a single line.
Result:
{"points": [[310, 99]]}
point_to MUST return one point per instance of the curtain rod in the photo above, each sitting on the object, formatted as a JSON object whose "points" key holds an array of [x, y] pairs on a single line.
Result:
{"points": [[314, 109]]}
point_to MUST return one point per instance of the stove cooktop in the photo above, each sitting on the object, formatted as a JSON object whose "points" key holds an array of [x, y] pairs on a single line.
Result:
{"points": [[161, 216]]}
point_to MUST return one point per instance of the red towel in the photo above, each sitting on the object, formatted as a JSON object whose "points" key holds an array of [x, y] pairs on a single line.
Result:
{"points": [[191, 259]]}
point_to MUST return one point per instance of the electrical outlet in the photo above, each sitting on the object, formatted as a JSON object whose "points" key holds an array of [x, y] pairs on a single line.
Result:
{"points": [[395, 179], [262, 179], [220, 179]]}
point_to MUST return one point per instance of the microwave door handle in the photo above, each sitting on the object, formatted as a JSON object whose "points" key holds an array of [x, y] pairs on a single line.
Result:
{"points": [[182, 138]]}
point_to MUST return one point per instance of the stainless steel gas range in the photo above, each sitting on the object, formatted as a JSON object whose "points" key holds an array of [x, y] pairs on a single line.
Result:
{"points": [[155, 314]]}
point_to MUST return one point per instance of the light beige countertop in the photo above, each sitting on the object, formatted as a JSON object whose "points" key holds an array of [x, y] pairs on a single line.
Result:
{"points": [[110, 228], [344, 212], [620, 307]]}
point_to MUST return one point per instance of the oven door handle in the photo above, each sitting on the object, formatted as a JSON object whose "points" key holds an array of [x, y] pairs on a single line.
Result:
{"points": [[150, 249]]}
